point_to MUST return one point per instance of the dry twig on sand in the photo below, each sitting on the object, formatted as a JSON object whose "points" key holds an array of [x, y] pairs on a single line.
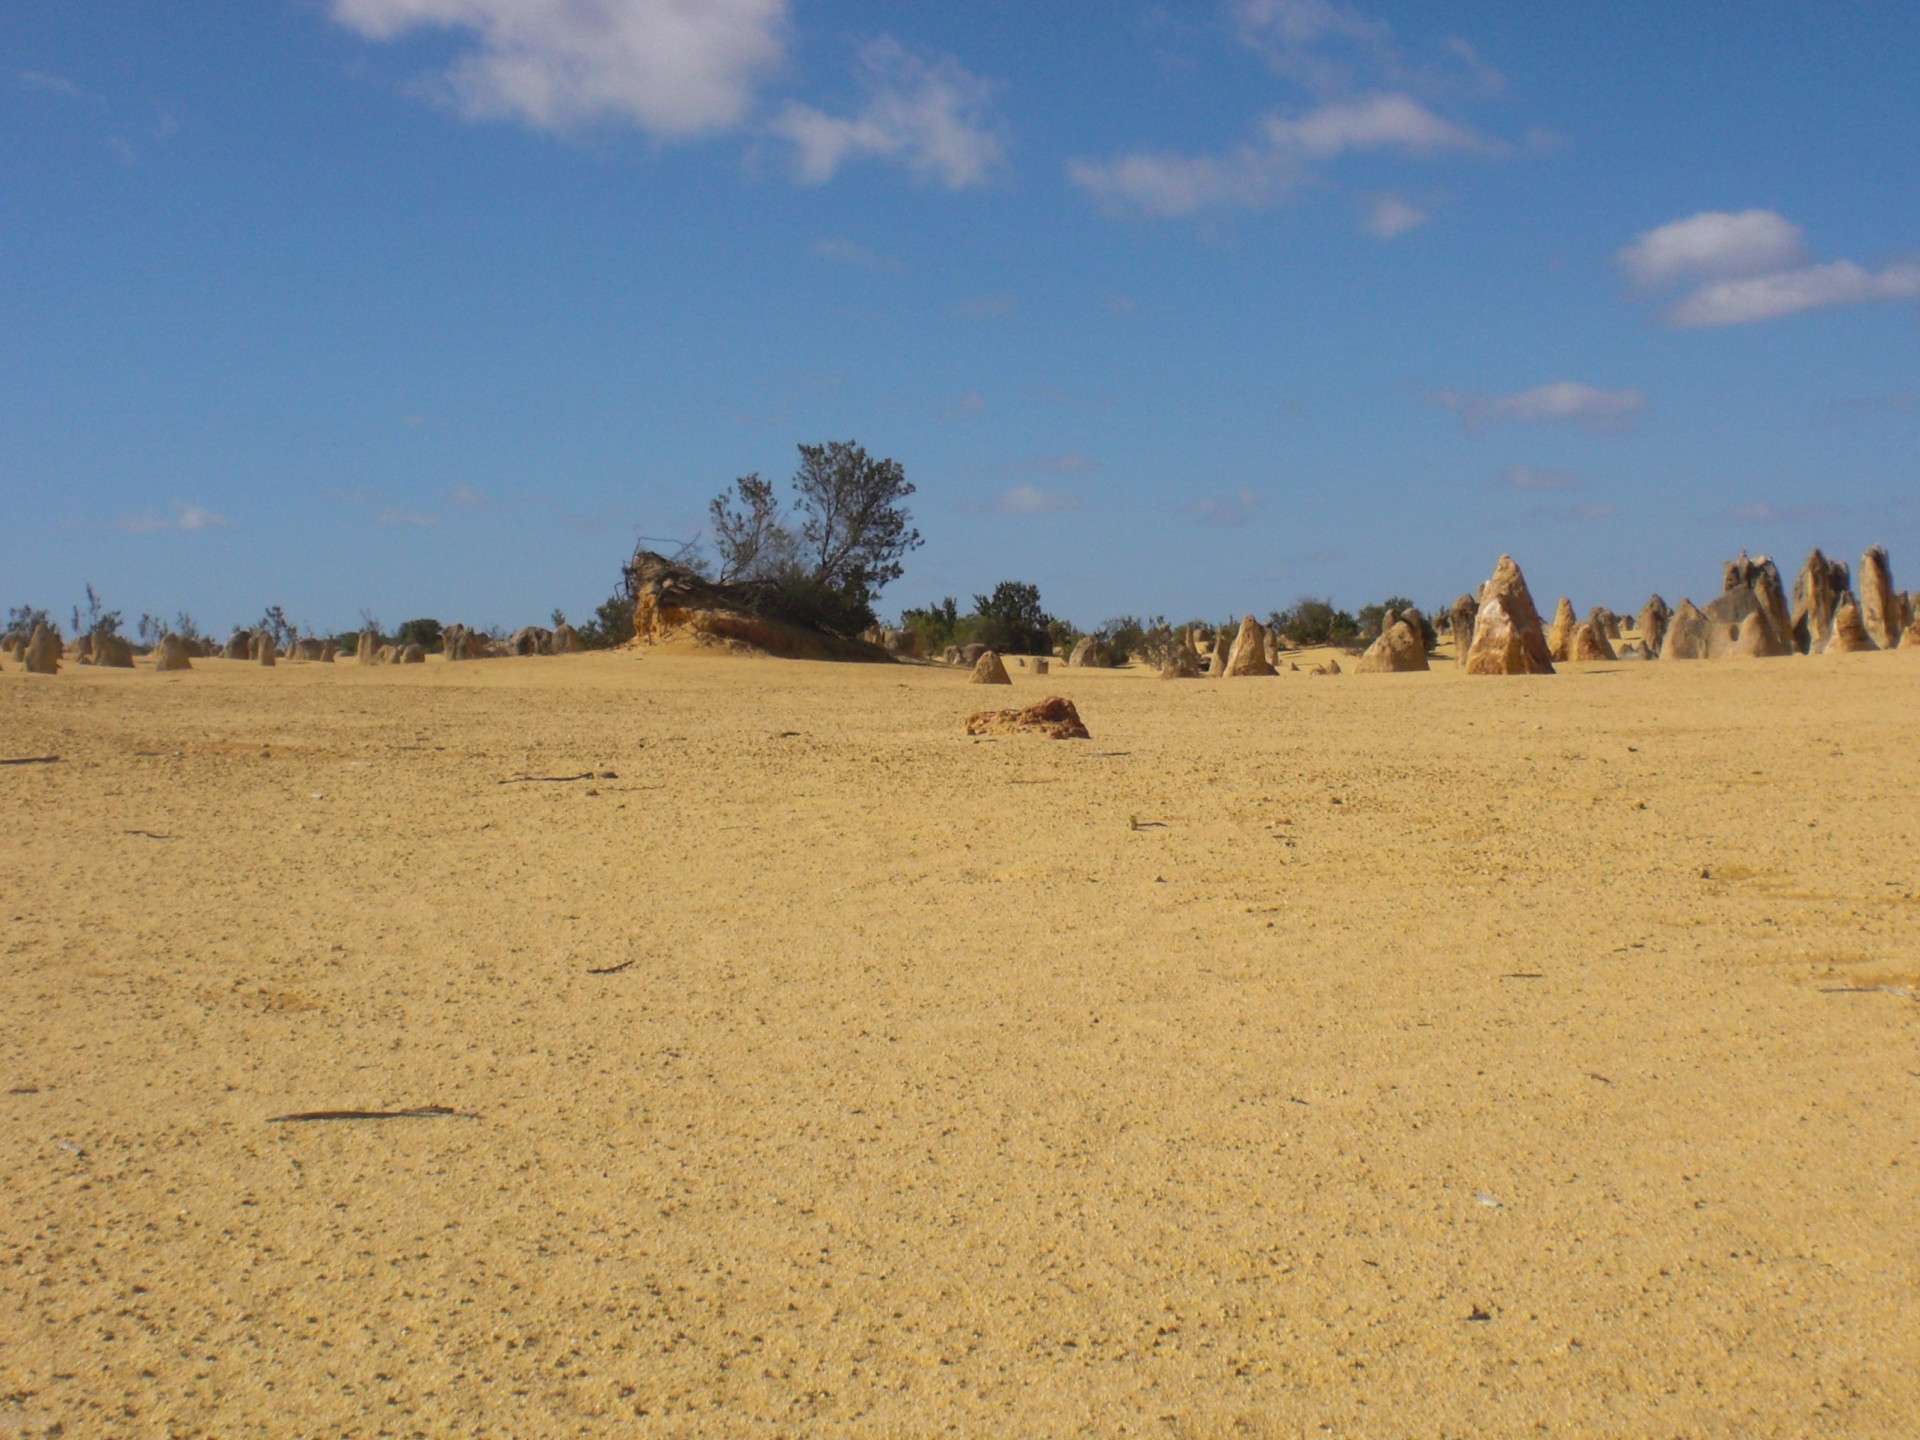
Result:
{"points": [[422, 1112]]}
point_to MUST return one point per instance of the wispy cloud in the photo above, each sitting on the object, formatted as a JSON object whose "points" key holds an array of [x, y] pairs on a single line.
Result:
{"points": [[48, 84], [466, 497], [1281, 158], [1816, 287], [394, 515], [190, 518], [928, 115], [848, 252], [1120, 306], [1751, 266], [1226, 510], [1565, 402], [1031, 500], [1389, 215], [1535, 478], [968, 406], [673, 68]]}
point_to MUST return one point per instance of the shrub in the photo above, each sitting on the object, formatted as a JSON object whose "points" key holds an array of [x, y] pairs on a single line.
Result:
{"points": [[1315, 622], [426, 633], [1011, 621]]}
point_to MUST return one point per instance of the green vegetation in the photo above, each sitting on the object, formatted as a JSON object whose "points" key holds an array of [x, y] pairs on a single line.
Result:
{"points": [[425, 633], [824, 565], [1311, 622]]}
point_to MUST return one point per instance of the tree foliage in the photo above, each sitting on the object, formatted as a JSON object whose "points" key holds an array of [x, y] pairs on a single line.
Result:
{"points": [[1011, 620], [1311, 622], [823, 567]]}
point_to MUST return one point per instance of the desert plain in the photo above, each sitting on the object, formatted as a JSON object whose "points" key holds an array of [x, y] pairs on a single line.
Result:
{"points": [[1403, 1055]]}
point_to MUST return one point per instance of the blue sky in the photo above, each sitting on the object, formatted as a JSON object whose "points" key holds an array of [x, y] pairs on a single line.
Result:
{"points": [[432, 306]]}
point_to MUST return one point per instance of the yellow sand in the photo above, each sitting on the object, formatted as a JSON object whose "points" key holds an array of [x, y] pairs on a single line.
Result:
{"points": [[1208, 1078]]}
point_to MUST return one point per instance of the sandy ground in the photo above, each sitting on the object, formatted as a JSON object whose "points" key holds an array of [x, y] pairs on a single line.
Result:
{"points": [[1369, 1056]]}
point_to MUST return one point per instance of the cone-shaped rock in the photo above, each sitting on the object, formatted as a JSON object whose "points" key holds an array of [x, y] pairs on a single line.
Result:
{"points": [[112, 651], [171, 653], [367, 649], [1692, 635], [1398, 650], [1816, 595], [238, 646], [1507, 636], [1590, 643], [1460, 621], [1652, 624], [42, 655], [1849, 632], [566, 640], [415, 654], [1759, 640], [1560, 633], [1879, 601], [266, 654], [1249, 653], [988, 670]]}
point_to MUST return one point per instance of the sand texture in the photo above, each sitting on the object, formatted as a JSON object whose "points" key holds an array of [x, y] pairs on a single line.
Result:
{"points": [[1365, 1055]]}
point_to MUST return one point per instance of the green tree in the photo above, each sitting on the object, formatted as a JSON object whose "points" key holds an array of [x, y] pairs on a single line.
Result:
{"points": [[1011, 620]]}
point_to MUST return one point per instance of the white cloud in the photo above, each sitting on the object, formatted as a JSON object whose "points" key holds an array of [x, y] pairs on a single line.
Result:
{"points": [[1264, 171], [1031, 500], [1565, 402], [1714, 244], [1371, 122], [1534, 478], [1389, 216], [191, 518], [1814, 287], [672, 67], [927, 115], [1753, 266]]}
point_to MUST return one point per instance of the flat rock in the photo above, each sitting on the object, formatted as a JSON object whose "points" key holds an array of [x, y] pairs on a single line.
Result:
{"points": [[1053, 717]]}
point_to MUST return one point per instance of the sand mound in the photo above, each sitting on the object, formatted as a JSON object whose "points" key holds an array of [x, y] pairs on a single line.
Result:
{"points": [[1052, 717]]}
